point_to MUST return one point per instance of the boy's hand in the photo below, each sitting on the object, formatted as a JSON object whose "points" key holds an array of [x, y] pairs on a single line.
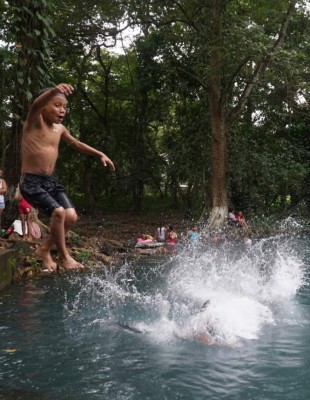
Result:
{"points": [[106, 161], [64, 88]]}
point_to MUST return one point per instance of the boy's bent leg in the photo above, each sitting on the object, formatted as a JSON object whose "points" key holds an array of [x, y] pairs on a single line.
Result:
{"points": [[57, 237], [70, 218], [65, 258], [61, 220]]}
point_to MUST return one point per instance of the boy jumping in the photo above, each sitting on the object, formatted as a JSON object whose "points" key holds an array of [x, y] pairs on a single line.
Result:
{"points": [[42, 133]]}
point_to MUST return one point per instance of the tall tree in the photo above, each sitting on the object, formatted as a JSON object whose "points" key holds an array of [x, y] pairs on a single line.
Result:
{"points": [[222, 117], [226, 47], [31, 29]]}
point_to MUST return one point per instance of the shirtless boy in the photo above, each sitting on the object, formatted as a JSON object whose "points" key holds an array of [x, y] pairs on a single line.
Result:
{"points": [[42, 133]]}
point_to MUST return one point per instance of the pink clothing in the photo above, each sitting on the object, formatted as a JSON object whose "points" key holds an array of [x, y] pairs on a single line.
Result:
{"points": [[35, 231], [140, 240]]}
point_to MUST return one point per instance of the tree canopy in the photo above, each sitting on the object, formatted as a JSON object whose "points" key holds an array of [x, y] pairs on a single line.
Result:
{"points": [[206, 107]]}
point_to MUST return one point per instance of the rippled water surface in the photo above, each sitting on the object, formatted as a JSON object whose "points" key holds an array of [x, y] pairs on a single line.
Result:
{"points": [[141, 332]]}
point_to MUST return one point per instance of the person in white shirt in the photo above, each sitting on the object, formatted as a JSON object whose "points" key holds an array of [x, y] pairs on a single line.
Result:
{"points": [[3, 190], [161, 233]]}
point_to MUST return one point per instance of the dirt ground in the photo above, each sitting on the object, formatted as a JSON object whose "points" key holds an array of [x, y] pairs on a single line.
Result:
{"points": [[105, 237], [124, 227]]}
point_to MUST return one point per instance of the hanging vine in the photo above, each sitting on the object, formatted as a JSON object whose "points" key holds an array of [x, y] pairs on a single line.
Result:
{"points": [[28, 36], [31, 32]]}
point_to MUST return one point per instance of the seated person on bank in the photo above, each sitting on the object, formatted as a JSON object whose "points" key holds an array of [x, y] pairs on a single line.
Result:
{"points": [[172, 236], [16, 227], [241, 220], [161, 233], [232, 219], [145, 238]]}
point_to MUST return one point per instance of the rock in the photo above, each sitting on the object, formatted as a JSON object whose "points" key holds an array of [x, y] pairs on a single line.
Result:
{"points": [[23, 248], [109, 247], [105, 259], [152, 251]]}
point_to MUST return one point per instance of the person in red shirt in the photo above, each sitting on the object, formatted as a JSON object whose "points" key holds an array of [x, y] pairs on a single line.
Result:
{"points": [[24, 211], [172, 236], [241, 220]]}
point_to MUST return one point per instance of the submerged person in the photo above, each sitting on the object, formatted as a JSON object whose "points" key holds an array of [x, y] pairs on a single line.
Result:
{"points": [[205, 336], [42, 132]]}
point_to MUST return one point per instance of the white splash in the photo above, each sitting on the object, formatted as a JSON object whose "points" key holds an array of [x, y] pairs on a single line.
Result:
{"points": [[245, 288]]}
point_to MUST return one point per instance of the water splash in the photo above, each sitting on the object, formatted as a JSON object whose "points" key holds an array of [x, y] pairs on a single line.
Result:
{"points": [[245, 290], [290, 223]]}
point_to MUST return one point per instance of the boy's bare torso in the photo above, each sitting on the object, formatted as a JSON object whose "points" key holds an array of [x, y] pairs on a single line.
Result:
{"points": [[39, 147]]}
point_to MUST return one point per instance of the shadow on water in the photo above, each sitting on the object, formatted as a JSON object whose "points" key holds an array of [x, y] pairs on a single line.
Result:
{"points": [[16, 394]]}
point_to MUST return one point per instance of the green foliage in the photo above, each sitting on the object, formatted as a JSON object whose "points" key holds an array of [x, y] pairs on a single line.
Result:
{"points": [[24, 69], [35, 265], [148, 108], [83, 256], [12, 263], [30, 34]]}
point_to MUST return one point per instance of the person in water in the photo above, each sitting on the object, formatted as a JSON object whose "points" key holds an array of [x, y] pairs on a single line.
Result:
{"points": [[42, 132], [207, 335], [192, 234]]}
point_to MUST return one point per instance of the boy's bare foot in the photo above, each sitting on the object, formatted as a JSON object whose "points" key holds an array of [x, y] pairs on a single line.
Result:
{"points": [[70, 263], [46, 257]]}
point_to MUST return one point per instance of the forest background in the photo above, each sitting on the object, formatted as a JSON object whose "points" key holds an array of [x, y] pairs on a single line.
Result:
{"points": [[201, 104]]}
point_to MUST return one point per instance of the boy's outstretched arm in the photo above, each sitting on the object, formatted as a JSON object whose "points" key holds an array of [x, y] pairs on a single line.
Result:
{"points": [[41, 101], [86, 149]]}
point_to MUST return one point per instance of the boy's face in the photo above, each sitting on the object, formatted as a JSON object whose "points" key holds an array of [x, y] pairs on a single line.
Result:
{"points": [[55, 110]]}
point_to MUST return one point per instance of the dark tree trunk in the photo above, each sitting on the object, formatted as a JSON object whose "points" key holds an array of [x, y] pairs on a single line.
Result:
{"points": [[218, 143]]}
